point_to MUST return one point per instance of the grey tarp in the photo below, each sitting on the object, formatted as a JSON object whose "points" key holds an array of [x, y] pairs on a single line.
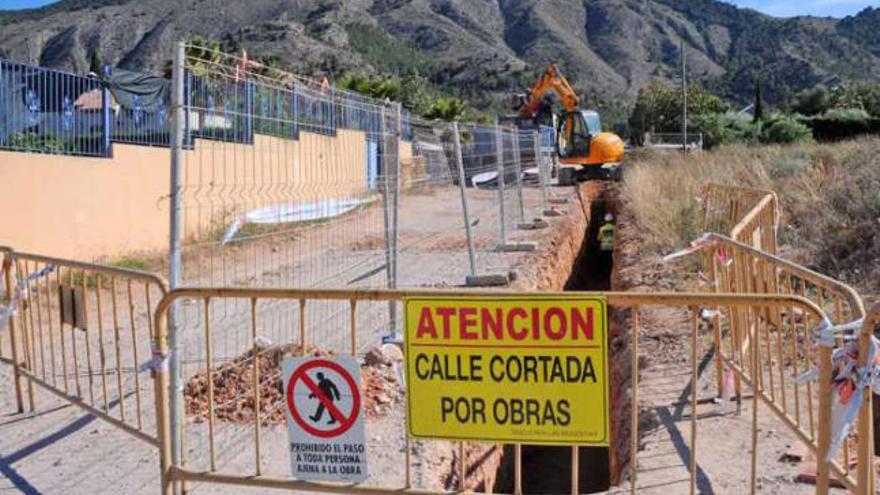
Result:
{"points": [[140, 91]]}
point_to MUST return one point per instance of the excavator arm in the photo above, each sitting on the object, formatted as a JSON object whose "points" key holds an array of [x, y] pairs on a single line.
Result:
{"points": [[551, 80], [580, 141]]}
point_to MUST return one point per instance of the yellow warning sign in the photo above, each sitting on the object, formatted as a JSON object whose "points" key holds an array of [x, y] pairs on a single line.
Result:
{"points": [[508, 369]]}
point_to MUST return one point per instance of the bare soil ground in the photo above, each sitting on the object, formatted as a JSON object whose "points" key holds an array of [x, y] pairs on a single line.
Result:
{"points": [[723, 435], [59, 449]]}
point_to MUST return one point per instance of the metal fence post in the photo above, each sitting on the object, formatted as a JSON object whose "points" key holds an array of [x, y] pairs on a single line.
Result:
{"points": [[248, 109], [865, 473], [294, 113], [187, 102], [499, 157], [539, 163], [106, 104], [388, 206], [824, 433], [332, 110], [174, 247], [395, 231], [472, 254], [397, 174], [517, 160]]}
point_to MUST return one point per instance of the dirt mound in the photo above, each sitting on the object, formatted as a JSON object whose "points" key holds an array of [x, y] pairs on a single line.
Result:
{"points": [[234, 398]]}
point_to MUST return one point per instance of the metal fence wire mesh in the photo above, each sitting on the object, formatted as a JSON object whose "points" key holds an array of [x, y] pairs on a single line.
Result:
{"points": [[289, 182]]}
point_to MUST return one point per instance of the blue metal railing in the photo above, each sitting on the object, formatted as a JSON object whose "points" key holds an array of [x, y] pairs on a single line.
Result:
{"points": [[219, 109], [140, 126], [50, 111]]}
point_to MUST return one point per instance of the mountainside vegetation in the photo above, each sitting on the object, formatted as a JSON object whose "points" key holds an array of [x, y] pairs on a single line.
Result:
{"points": [[478, 51]]}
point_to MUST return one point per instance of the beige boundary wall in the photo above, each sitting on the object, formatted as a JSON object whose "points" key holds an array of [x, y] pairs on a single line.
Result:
{"points": [[89, 208]]}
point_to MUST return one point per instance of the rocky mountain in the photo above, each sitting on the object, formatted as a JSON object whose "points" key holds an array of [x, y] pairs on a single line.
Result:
{"points": [[480, 49]]}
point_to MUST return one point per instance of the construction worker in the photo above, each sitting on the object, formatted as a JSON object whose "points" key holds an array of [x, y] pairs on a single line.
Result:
{"points": [[606, 234], [605, 257]]}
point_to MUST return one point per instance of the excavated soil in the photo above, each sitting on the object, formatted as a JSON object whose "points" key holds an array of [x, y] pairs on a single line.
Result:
{"points": [[575, 263], [235, 401]]}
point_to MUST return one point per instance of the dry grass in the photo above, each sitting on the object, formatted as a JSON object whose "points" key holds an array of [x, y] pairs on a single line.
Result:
{"points": [[829, 195]]}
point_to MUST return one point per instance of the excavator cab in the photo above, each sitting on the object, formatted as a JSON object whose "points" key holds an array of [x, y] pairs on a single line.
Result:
{"points": [[575, 132], [585, 152]]}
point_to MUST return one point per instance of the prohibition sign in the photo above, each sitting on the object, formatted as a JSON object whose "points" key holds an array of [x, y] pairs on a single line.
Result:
{"points": [[345, 422]]}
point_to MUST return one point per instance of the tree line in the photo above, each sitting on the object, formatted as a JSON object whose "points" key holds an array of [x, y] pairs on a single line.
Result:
{"points": [[822, 112]]}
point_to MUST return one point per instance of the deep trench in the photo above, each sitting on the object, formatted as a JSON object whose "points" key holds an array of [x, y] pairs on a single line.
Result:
{"points": [[547, 470]]}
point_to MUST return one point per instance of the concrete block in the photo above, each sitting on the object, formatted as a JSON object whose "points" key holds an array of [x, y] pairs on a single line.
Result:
{"points": [[534, 225], [512, 247], [488, 280], [555, 212]]}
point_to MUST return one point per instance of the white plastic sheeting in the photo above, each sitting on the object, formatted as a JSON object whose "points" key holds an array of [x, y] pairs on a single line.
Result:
{"points": [[296, 212]]}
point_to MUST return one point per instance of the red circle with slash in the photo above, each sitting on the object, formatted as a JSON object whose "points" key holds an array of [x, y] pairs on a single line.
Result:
{"points": [[345, 422]]}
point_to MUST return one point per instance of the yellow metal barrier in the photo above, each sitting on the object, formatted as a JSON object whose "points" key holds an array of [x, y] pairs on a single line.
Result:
{"points": [[6, 298], [746, 215], [82, 332], [235, 454], [744, 262], [788, 347]]}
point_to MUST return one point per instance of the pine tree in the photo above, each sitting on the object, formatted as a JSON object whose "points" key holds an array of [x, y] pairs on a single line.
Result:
{"points": [[95, 62], [759, 101]]}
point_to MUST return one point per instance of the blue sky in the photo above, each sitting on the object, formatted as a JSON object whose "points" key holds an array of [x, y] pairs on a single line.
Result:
{"points": [[788, 8], [783, 8]]}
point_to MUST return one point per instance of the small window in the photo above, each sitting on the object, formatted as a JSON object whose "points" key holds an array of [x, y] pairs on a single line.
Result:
{"points": [[573, 136], [593, 122]]}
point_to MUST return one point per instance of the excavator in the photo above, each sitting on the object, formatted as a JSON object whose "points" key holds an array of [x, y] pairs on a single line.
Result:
{"points": [[583, 150]]}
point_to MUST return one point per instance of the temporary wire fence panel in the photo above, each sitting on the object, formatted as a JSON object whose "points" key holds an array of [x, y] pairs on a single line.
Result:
{"points": [[276, 193], [514, 208], [84, 333], [299, 184], [432, 246]]}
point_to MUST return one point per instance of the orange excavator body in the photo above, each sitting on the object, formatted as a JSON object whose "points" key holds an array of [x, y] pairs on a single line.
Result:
{"points": [[580, 140]]}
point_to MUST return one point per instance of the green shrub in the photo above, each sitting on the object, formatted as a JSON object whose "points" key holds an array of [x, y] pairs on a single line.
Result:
{"points": [[726, 128], [847, 114], [812, 101], [784, 130], [445, 109]]}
